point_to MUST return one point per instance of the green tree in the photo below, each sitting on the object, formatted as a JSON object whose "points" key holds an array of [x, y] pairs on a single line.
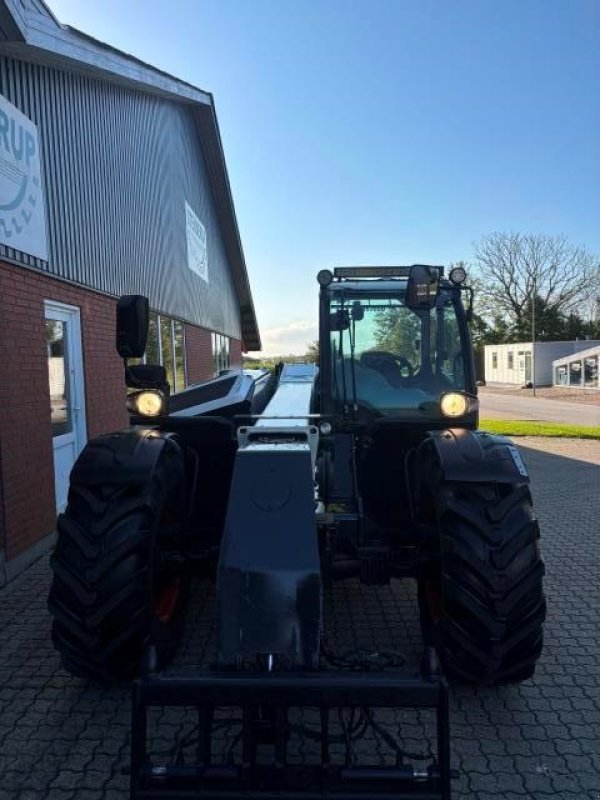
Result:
{"points": [[312, 352], [549, 322], [551, 325], [397, 330]]}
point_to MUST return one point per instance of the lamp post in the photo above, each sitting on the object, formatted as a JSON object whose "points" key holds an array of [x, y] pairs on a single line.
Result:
{"points": [[533, 339]]}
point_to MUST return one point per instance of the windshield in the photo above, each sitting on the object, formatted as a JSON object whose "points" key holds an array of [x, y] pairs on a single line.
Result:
{"points": [[392, 359]]}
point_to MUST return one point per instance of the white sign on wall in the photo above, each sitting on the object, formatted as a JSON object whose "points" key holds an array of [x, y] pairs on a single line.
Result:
{"points": [[196, 244], [22, 219]]}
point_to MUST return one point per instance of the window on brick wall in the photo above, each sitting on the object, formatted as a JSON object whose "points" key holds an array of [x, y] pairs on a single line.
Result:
{"points": [[179, 345], [166, 346], [166, 349], [220, 352], [494, 360], [152, 355], [511, 360]]}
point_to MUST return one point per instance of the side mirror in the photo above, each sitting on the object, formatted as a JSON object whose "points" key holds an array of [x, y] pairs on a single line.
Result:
{"points": [[422, 287], [133, 313]]}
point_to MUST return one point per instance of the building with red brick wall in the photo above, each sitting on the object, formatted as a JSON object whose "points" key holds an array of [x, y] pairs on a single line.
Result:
{"points": [[112, 181]]}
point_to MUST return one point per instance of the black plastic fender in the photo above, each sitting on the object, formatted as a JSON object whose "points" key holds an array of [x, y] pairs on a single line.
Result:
{"points": [[477, 457], [127, 457]]}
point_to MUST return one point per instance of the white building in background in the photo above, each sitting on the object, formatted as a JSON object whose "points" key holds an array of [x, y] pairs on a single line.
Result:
{"points": [[514, 363], [581, 371]]}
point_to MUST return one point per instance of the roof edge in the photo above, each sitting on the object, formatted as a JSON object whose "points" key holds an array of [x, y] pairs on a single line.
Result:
{"points": [[12, 26], [543, 341], [34, 25], [593, 350], [217, 170], [39, 36]]}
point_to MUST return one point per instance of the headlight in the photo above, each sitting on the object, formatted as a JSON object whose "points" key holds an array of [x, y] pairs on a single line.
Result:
{"points": [[454, 404], [148, 404]]}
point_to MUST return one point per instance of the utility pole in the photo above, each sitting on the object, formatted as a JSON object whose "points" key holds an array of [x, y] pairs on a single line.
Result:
{"points": [[533, 338]]}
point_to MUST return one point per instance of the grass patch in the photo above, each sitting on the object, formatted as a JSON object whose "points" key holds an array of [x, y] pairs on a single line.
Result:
{"points": [[523, 427]]}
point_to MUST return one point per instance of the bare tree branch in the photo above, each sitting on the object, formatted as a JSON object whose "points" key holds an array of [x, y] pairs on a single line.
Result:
{"points": [[510, 265]]}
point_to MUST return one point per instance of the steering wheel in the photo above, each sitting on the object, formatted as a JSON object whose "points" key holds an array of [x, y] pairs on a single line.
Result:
{"points": [[390, 365]]}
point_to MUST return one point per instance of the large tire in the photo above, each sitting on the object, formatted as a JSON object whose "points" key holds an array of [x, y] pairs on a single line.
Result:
{"points": [[482, 601], [110, 590]]}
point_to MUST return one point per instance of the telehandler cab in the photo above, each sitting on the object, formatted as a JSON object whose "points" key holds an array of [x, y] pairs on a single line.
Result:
{"points": [[370, 468]]}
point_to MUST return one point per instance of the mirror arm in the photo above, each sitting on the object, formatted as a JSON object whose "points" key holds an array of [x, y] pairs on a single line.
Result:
{"points": [[469, 310]]}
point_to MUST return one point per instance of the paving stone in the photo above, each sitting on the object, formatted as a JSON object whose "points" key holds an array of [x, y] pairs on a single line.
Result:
{"points": [[62, 738]]}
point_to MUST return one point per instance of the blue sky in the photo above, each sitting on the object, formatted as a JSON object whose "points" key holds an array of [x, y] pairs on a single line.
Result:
{"points": [[381, 131]]}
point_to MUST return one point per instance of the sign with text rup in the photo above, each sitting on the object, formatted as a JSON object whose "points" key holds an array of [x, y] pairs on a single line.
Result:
{"points": [[196, 244], [22, 218]]}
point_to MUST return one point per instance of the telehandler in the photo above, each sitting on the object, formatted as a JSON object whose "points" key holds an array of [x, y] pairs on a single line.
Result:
{"points": [[368, 468]]}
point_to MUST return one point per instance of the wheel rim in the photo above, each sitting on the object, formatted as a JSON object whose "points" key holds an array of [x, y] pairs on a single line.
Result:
{"points": [[167, 600], [433, 599], [168, 587]]}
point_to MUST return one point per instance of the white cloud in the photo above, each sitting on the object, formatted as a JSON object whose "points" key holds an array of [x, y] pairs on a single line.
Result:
{"points": [[290, 339]]}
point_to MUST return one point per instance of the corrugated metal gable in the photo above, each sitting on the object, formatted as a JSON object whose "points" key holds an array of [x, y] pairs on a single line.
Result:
{"points": [[118, 167]]}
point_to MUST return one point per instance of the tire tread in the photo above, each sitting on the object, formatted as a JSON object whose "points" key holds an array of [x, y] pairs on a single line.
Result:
{"points": [[490, 572], [102, 567]]}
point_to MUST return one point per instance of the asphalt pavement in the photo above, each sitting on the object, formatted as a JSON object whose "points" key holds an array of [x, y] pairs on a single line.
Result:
{"points": [[509, 406]]}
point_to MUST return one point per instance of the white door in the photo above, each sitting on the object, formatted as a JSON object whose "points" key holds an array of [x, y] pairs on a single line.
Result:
{"points": [[67, 392]]}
